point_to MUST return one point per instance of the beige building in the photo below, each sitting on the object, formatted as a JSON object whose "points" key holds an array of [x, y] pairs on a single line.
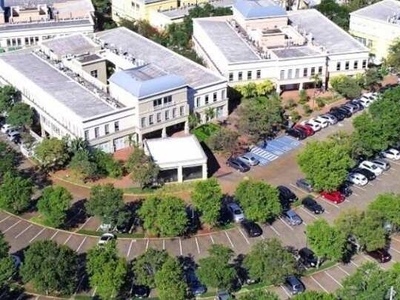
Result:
{"points": [[377, 26]]}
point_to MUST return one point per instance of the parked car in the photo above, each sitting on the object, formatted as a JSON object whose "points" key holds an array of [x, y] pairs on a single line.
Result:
{"points": [[307, 129], [381, 163], [331, 119], [105, 238], [357, 178], [304, 185], [357, 103], [337, 114], [140, 291], [314, 125], [286, 194], [321, 121], [312, 205], [345, 189], [237, 164], [292, 218], [17, 260], [391, 153], [380, 255], [251, 228], [106, 227], [367, 173], [15, 137], [351, 108], [243, 277], [370, 166], [222, 295], [297, 133], [236, 212], [344, 111], [249, 159], [365, 102], [195, 286], [294, 285], [308, 258], [334, 196], [355, 106], [6, 127]]}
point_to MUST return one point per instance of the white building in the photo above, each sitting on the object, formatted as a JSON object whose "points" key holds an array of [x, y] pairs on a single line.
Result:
{"points": [[25, 23], [377, 26], [150, 93], [263, 41]]}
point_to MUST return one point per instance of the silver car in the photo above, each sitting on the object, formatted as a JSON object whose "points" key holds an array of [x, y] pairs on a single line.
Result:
{"points": [[383, 164], [236, 212], [292, 218], [249, 159], [330, 118]]}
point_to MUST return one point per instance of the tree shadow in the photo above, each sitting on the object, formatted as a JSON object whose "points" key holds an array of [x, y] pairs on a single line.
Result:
{"points": [[212, 162], [235, 98], [38, 176], [76, 214]]}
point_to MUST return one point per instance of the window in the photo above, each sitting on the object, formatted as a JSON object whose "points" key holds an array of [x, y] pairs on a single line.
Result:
{"points": [[143, 122], [167, 100], [197, 101], [18, 41], [282, 76], [240, 76], [8, 42], [26, 41], [215, 96], [305, 72], [364, 64], [116, 126], [355, 64], [96, 132], [312, 71], [347, 65], [297, 73], [174, 113], [289, 73], [106, 129], [320, 70], [258, 74], [230, 76], [206, 100], [157, 102], [93, 73], [151, 120], [167, 115], [36, 39], [182, 110], [338, 67], [223, 94], [86, 133], [158, 117], [249, 75]]}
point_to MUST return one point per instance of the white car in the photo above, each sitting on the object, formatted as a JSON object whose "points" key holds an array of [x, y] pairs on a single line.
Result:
{"points": [[249, 159], [370, 166], [365, 102], [105, 238], [5, 128], [321, 121], [392, 154], [314, 125], [330, 118], [357, 179], [371, 96]]}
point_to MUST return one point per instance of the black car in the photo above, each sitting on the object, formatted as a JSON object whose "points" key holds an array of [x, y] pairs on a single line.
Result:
{"points": [[308, 258], [347, 113], [339, 115], [195, 286], [345, 189], [252, 229], [380, 255], [237, 164], [367, 173], [312, 205], [286, 196], [357, 103], [294, 285], [140, 291], [296, 133]]}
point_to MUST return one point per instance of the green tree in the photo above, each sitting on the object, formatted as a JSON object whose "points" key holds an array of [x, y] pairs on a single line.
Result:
{"points": [[82, 166], [8, 159], [15, 193], [146, 266], [265, 87], [335, 12], [314, 295], [207, 197], [224, 139], [170, 281], [52, 153], [303, 97], [393, 57], [326, 241], [387, 208], [370, 233], [8, 95], [215, 270], [106, 164], [7, 266], [54, 204], [164, 217], [346, 86], [269, 262], [50, 268], [372, 77], [107, 203], [76, 144], [21, 114], [325, 164], [143, 169], [247, 90], [259, 200], [106, 270], [259, 295]]}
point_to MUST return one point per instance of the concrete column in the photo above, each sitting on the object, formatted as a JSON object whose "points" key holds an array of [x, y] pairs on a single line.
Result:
{"points": [[301, 86], [180, 174], [164, 132], [278, 88], [205, 172], [187, 127]]}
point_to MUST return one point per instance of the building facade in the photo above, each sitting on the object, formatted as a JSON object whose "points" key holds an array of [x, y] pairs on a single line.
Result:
{"points": [[262, 41]]}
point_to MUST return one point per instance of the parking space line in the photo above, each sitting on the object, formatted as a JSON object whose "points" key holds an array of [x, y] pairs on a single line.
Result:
{"points": [[68, 238], [81, 244], [354, 263], [147, 244], [355, 194], [163, 244], [262, 237], [94, 291], [287, 225], [98, 228], [229, 239], [320, 285], [12, 226], [360, 188], [393, 238], [180, 246], [308, 213], [84, 224], [393, 169], [333, 279], [395, 250], [212, 239], [367, 258], [277, 233], [286, 292], [299, 189], [343, 270], [6, 218], [386, 174], [39, 233], [370, 183], [23, 231], [328, 202], [378, 179], [55, 233], [305, 224], [247, 241], [393, 162], [129, 249], [197, 244]]}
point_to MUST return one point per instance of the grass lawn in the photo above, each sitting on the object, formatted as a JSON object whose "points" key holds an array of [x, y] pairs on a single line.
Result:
{"points": [[203, 132]]}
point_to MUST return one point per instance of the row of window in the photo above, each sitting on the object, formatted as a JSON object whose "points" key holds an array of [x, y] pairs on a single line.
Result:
{"points": [[205, 99], [364, 41], [250, 75], [13, 42], [157, 103], [165, 116], [296, 74], [106, 130], [347, 65]]}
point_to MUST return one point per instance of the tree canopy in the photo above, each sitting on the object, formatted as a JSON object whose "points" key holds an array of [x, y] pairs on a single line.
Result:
{"points": [[8, 96], [21, 114], [223, 139], [8, 159], [170, 281], [53, 205], [143, 169], [146, 266], [52, 153], [82, 166], [346, 86], [393, 57], [314, 295], [259, 200], [260, 294], [7, 266], [387, 208], [15, 193], [335, 12]]}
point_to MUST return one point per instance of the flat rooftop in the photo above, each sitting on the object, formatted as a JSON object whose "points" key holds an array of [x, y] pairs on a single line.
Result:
{"points": [[176, 151], [305, 51], [39, 25], [61, 88], [150, 52], [71, 44], [325, 32], [379, 11]]}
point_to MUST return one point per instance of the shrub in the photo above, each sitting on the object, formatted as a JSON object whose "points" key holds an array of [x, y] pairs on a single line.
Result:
{"points": [[307, 109], [320, 102], [290, 104], [294, 115], [303, 97]]}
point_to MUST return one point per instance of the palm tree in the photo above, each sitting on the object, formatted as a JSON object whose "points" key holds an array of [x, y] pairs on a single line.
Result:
{"points": [[210, 113], [77, 144], [317, 80], [194, 120]]}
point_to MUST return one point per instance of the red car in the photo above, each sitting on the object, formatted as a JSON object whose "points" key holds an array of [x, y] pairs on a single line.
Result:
{"points": [[335, 196], [307, 129]]}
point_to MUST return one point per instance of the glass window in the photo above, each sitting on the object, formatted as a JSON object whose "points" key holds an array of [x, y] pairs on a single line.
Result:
{"points": [[258, 74], [347, 65], [26, 41], [174, 113], [338, 66], [223, 94], [355, 64], [158, 117], [151, 120], [167, 115], [249, 75], [93, 73], [240, 76], [282, 76], [320, 70], [143, 122], [215, 96], [297, 73], [106, 129], [116, 126], [305, 72], [230, 76], [364, 64], [312, 71], [86, 135], [167, 100], [182, 110], [289, 73], [197, 101], [206, 100], [96, 132], [157, 102]]}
